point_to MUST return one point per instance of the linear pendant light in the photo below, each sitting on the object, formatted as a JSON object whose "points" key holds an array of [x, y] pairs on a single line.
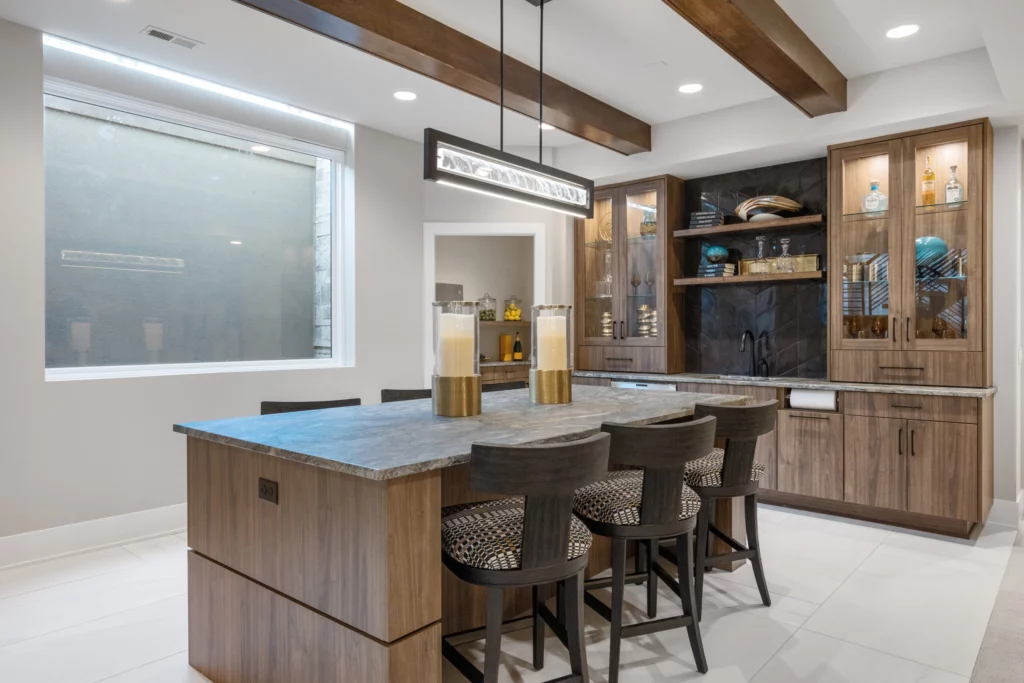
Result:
{"points": [[457, 162]]}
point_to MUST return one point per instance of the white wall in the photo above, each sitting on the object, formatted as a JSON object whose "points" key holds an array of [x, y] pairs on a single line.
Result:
{"points": [[1006, 307], [81, 450]]}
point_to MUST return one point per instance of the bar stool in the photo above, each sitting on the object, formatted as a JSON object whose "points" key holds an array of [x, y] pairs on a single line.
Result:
{"points": [[396, 395], [529, 539], [647, 504], [277, 407], [729, 473]]}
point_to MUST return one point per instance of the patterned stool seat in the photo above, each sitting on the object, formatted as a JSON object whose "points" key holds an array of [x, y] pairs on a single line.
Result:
{"points": [[490, 535], [616, 499], [706, 472]]}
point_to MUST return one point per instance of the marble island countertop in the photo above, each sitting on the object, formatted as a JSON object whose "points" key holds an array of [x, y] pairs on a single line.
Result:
{"points": [[387, 441], [789, 383]]}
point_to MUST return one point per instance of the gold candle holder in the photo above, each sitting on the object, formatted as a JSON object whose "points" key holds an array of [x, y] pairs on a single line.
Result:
{"points": [[551, 387], [457, 396]]}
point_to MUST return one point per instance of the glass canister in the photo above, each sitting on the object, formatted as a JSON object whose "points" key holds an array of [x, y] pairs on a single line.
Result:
{"points": [[551, 364], [513, 309], [456, 382], [488, 308]]}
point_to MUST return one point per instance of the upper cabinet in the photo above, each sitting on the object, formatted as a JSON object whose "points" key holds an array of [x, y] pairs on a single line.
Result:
{"points": [[627, 317], [909, 223]]}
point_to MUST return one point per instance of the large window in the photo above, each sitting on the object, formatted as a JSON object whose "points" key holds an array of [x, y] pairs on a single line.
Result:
{"points": [[169, 244]]}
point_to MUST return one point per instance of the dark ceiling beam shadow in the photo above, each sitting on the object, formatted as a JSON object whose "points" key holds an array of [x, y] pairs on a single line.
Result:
{"points": [[399, 34], [761, 36]]}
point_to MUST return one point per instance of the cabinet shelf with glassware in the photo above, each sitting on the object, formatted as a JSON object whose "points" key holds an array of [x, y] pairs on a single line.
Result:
{"points": [[625, 265], [910, 250]]}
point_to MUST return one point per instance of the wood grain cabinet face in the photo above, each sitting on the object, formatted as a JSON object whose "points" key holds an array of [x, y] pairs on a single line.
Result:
{"points": [[876, 461], [810, 454], [943, 469]]}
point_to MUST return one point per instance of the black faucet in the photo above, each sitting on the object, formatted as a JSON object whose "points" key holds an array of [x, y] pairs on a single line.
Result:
{"points": [[762, 348], [743, 347]]}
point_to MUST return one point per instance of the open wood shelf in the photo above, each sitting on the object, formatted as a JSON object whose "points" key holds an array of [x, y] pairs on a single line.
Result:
{"points": [[758, 226], [747, 279]]}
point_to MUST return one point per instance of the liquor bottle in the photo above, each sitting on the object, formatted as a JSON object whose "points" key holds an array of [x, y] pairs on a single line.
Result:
{"points": [[517, 349], [928, 184], [875, 200], [954, 190]]}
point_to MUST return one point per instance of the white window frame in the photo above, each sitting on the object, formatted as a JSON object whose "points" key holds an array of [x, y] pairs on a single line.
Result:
{"points": [[342, 279]]}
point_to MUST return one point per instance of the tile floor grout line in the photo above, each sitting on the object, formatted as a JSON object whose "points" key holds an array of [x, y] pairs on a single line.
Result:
{"points": [[136, 668], [89, 621], [83, 578]]}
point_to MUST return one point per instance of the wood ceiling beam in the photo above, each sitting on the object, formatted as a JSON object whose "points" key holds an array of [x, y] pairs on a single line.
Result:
{"points": [[761, 36], [399, 34]]}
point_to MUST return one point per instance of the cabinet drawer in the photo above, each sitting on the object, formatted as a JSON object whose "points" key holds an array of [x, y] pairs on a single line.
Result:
{"points": [[906, 406], [621, 359], [810, 453], [925, 368]]}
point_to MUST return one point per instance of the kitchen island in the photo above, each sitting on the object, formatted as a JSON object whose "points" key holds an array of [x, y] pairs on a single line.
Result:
{"points": [[315, 538]]}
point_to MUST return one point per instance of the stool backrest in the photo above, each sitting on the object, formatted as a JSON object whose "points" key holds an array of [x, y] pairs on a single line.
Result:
{"points": [[503, 386], [276, 407], [547, 476], [740, 426], [662, 451], [396, 395]]}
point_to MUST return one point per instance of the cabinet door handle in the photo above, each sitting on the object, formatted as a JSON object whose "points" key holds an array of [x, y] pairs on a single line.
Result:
{"points": [[908, 330], [897, 405], [899, 440], [615, 329], [625, 360], [622, 326], [895, 332], [899, 367], [809, 417], [912, 449]]}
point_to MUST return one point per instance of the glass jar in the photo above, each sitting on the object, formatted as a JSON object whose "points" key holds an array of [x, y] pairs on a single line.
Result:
{"points": [[456, 339], [551, 336], [488, 308], [785, 263], [513, 309], [761, 265]]}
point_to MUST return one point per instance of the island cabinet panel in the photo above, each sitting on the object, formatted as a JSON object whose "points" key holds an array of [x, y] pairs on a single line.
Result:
{"points": [[876, 461], [943, 470], [811, 453], [242, 632], [361, 551]]}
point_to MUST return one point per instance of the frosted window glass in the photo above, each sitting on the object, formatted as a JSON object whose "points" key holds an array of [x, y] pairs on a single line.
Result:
{"points": [[167, 244]]}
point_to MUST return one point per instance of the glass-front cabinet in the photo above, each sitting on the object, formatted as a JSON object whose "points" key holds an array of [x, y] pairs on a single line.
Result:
{"points": [[624, 272]]}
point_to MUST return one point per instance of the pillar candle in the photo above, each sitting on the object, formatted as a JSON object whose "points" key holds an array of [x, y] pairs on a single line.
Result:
{"points": [[552, 346], [456, 345]]}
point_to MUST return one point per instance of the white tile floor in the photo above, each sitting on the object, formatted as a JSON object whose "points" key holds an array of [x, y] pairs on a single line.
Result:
{"points": [[852, 602]]}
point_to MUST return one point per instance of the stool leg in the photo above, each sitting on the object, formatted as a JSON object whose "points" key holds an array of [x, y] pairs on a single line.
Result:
{"points": [[684, 559], [618, 593], [538, 632], [652, 578], [750, 504], [492, 650], [574, 627], [703, 524]]}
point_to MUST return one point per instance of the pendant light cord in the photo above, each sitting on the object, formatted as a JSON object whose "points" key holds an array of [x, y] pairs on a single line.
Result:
{"points": [[501, 78], [540, 126]]}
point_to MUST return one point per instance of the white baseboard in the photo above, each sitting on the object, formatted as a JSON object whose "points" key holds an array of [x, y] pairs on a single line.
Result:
{"points": [[73, 539], [1007, 512]]}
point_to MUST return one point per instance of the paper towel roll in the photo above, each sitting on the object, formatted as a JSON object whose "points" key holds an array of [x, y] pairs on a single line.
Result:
{"points": [[813, 399]]}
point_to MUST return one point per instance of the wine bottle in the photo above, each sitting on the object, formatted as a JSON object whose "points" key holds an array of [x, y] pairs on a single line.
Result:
{"points": [[954, 190], [517, 349], [928, 184]]}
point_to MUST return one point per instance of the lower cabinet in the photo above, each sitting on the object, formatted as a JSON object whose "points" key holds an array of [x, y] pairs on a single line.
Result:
{"points": [[876, 464], [810, 459]]}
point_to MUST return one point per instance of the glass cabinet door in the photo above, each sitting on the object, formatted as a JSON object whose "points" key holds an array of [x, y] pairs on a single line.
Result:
{"points": [[600, 273], [643, 238], [943, 240], [865, 243]]}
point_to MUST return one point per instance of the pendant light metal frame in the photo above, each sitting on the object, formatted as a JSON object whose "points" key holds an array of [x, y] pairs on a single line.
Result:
{"points": [[435, 141]]}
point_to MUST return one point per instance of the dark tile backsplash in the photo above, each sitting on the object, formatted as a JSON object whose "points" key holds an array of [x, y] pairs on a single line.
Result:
{"points": [[791, 314]]}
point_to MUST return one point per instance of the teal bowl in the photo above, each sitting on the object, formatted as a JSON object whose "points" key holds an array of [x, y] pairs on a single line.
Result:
{"points": [[929, 249], [717, 254]]}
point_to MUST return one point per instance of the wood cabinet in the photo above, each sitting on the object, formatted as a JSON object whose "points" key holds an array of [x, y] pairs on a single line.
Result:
{"points": [[810, 453], [875, 471], [910, 274], [627, 314], [942, 470]]}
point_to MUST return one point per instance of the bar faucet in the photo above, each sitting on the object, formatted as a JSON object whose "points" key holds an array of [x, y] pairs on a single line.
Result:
{"points": [[743, 347], [762, 348]]}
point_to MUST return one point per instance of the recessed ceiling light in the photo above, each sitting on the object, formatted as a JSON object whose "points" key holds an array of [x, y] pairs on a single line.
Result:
{"points": [[260, 149], [405, 96], [690, 88], [902, 31], [235, 243], [546, 126]]}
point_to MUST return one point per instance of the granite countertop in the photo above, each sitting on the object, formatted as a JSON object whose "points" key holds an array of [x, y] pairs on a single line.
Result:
{"points": [[787, 383], [387, 441]]}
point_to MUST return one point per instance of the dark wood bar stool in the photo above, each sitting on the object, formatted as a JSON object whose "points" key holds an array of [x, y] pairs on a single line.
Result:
{"points": [[277, 407], [396, 395], [646, 504], [729, 473], [528, 539]]}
